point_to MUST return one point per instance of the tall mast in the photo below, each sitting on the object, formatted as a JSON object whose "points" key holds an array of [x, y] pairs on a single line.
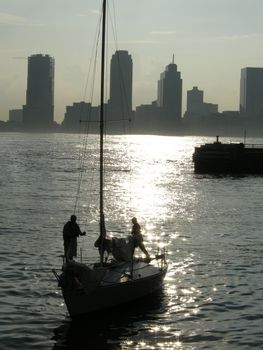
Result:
{"points": [[102, 223]]}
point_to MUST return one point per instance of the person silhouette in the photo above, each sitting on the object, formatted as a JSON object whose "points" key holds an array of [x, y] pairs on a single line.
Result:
{"points": [[138, 238], [71, 232]]}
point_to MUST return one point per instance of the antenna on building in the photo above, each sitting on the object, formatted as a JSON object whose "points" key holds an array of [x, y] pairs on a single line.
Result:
{"points": [[173, 58]]}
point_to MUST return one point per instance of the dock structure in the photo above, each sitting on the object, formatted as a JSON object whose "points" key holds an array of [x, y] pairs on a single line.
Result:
{"points": [[228, 158]]}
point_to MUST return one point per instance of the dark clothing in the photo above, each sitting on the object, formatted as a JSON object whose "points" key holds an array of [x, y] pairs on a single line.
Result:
{"points": [[137, 236], [138, 239], [136, 228], [71, 231], [136, 232]]}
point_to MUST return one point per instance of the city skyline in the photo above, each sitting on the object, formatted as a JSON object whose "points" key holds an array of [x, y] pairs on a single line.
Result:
{"points": [[162, 116], [211, 41]]}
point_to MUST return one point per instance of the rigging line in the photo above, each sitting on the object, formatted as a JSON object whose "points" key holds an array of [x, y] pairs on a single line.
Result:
{"points": [[94, 49], [92, 174], [126, 130], [126, 126], [106, 94], [113, 22], [107, 65], [85, 139], [112, 17], [114, 30], [113, 25], [85, 142], [123, 92], [87, 81], [94, 70]]}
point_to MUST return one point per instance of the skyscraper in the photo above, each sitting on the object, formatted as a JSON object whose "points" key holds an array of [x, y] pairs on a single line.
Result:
{"points": [[38, 113], [169, 96], [195, 100], [120, 102], [251, 92]]}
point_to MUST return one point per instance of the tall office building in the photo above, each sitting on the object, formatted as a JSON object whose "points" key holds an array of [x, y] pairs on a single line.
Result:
{"points": [[195, 100], [251, 92], [38, 113], [169, 96], [120, 102]]}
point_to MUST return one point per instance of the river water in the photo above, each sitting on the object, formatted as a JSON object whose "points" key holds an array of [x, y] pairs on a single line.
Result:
{"points": [[212, 226]]}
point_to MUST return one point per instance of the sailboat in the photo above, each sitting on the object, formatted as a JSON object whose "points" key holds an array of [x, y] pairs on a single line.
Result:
{"points": [[108, 283]]}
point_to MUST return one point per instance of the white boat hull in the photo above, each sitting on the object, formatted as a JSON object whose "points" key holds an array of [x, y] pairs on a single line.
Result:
{"points": [[123, 288]]}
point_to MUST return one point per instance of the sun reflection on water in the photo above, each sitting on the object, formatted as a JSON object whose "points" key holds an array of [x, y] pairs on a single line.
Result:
{"points": [[146, 177], [153, 160]]}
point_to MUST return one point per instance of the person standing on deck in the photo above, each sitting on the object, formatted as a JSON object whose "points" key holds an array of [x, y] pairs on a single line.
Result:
{"points": [[71, 231], [138, 238]]}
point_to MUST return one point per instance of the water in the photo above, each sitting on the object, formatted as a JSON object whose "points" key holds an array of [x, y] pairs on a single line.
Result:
{"points": [[213, 293]]}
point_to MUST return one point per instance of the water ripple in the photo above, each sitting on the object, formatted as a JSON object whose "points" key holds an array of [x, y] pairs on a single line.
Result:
{"points": [[212, 297]]}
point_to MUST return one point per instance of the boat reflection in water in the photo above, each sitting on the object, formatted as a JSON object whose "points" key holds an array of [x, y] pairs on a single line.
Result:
{"points": [[110, 330]]}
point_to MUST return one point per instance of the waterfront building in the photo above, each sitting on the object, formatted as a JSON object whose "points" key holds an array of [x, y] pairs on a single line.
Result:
{"points": [[81, 116], [16, 115], [38, 112], [195, 101], [251, 92], [210, 108], [121, 70], [169, 96], [196, 105], [148, 119]]}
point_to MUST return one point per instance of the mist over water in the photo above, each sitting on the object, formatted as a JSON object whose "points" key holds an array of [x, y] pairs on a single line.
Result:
{"points": [[212, 226]]}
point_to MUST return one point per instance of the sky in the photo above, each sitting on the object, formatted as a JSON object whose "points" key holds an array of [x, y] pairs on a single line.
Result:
{"points": [[211, 41]]}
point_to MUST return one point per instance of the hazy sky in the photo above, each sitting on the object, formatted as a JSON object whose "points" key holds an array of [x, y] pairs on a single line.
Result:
{"points": [[211, 41]]}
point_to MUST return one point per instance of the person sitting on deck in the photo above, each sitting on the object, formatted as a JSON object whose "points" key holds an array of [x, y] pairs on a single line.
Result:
{"points": [[71, 231], [138, 238]]}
